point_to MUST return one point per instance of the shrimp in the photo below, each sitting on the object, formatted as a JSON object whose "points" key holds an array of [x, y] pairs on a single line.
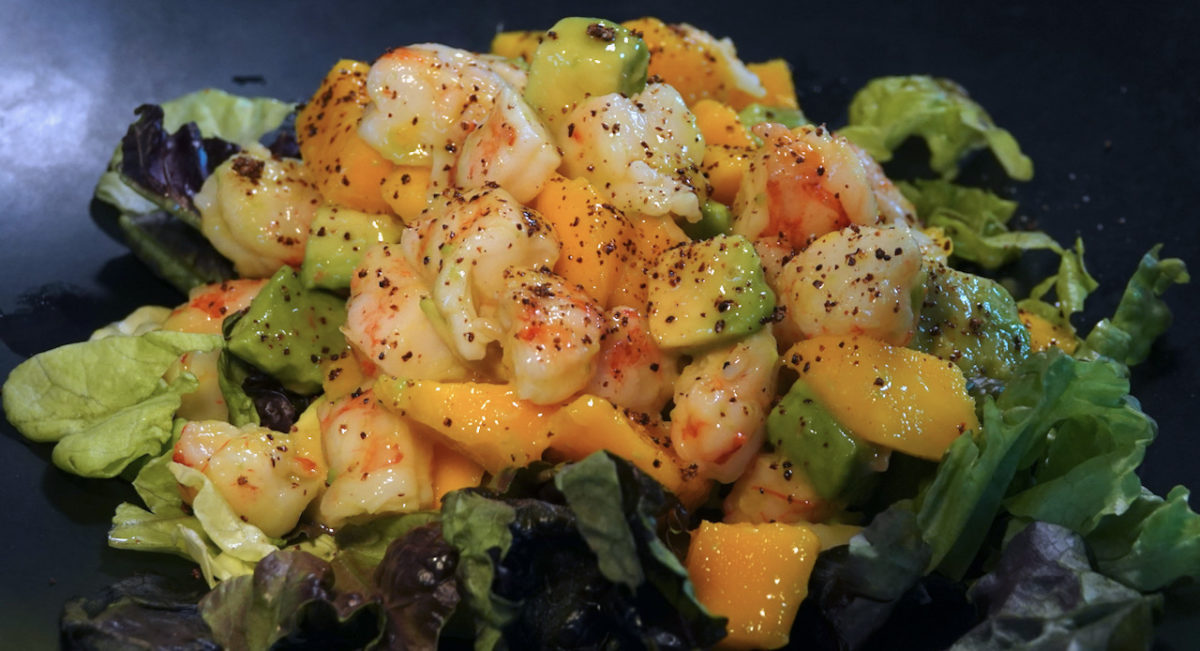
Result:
{"points": [[642, 152], [266, 482], [631, 370], [775, 255], [256, 209], [552, 335], [894, 207], [772, 490], [463, 254], [385, 322], [425, 98], [511, 149], [379, 465], [204, 313], [802, 184], [721, 403], [857, 281]]}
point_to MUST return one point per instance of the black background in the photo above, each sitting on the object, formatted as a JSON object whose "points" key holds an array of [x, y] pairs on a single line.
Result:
{"points": [[1105, 97]]}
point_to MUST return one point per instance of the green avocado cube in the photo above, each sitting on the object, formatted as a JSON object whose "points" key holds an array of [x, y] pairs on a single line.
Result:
{"points": [[337, 240], [288, 331], [708, 292]]}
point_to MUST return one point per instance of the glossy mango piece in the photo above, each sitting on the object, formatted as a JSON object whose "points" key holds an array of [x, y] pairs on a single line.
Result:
{"points": [[405, 191], [517, 44], [589, 424], [756, 575], [347, 171], [486, 423], [1043, 334], [720, 125], [894, 397], [776, 77], [724, 166], [453, 470], [597, 240]]}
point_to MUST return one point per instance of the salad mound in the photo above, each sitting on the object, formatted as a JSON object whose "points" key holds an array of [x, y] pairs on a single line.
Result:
{"points": [[596, 340]]}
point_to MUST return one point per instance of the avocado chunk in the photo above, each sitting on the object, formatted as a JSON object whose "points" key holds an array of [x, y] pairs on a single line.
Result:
{"points": [[804, 431], [708, 292], [715, 219], [972, 322], [288, 330], [337, 239], [581, 57]]}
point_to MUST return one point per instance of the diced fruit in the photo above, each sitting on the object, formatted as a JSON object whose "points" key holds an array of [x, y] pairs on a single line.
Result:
{"points": [[405, 191], [452, 471], [652, 236], [724, 167], [341, 374], [597, 241], [893, 397], [589, 424], [582, 57], [720, 124], [517, 45], [288, 330], [1044, 334], [776, 77], [346, 169], [756, 575], [813, 440], [337, 239], [971, 321], [708, 292], [487, 423]]}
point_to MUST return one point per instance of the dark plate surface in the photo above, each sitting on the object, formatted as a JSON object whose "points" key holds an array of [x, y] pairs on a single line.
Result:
{"points": [[1104, 97]]}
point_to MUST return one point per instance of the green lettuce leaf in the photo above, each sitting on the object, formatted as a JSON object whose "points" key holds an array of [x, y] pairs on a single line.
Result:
{"points": [[478, 527], [889, 110], [140, 321], [588, 488], [1043, 594], [362, 547], [289, 602], [1071, 284], [975, 220], [240, 120], [1152, 545], [220, 522], [1141, 316], [104, 401], [174, 250]]}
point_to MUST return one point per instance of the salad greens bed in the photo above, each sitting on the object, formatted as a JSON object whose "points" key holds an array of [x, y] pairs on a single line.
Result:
{"points": [[1041, 514]]}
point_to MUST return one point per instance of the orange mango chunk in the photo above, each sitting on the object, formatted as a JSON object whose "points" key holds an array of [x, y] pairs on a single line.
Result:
{"points": [[898, 398], [452, 471], [776, 77], [720, 124], [487, 423], [405, 191], [724, 166], [597, 241], [1044, 334], [756, 575], [517, 44], [589, 424], [347, 171]]}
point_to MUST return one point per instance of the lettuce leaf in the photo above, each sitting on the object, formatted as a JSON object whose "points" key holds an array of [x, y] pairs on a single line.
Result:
{"points": [[104, 401], [1044, 594], [975, 220], [888, 110], [1141, 316], [143, 612], [220, 522], [478, 527], [176, 251], [1072, 284], [417, 579], [530, 562], [1153, 544], [216, 114], [289, 602]]}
